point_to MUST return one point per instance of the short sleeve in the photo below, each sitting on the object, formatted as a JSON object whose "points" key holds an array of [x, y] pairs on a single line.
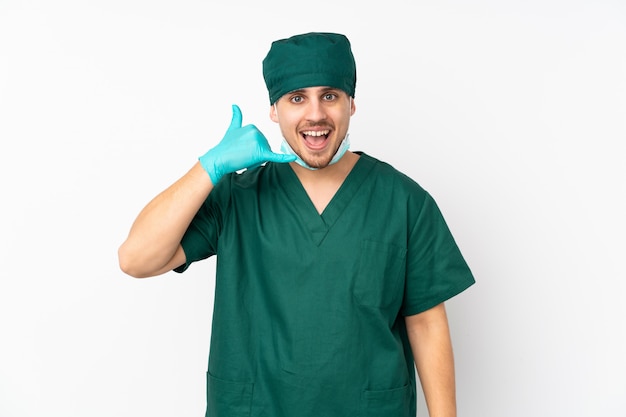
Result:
{"points": [[201, 237], [436, 269]]}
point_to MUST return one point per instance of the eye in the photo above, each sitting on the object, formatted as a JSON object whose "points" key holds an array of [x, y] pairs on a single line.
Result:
{"points": [[330, 96], [296, 99]]}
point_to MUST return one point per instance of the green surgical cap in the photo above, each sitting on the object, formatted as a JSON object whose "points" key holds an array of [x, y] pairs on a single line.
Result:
{"points": [[309, 60]]}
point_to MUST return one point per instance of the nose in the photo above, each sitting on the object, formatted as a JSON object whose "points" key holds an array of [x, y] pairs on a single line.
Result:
{"points": [[315, 110]]}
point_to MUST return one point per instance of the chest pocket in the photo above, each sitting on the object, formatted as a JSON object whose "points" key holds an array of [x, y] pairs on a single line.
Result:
{"points": [[380, 279]]}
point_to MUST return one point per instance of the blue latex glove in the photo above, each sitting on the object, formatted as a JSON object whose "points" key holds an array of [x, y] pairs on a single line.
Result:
{"points": [[241, 147]]}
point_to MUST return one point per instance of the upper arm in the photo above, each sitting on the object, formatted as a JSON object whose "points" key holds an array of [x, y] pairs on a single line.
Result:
{"points": [[175, 261], [431, 346], [431, 319], [429, 337]]}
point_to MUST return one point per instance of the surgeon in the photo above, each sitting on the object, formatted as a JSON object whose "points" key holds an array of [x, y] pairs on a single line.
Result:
{"points": [[332, 267]]}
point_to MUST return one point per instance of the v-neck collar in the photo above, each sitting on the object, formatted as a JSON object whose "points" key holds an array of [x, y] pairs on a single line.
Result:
{"points": [[318, 224]]}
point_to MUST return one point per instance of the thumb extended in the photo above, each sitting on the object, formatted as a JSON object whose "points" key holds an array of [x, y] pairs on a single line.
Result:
{"points": [[235, 122]]}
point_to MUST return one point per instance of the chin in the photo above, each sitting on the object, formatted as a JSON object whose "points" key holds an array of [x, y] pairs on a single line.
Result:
{"points": [[319, 162]]}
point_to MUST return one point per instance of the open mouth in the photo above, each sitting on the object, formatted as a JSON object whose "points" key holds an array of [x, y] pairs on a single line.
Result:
{"points": [[315, 139]]}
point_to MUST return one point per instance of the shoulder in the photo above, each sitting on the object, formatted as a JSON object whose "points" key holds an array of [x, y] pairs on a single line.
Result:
{"points": [[251, 179], [239, 189], [258, 182], [386, 175]]}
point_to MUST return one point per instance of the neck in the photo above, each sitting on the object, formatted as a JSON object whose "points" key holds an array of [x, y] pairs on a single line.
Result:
{"points": [[321, 185]]}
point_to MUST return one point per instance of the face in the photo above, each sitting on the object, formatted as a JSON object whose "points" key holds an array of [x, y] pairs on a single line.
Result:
{"points": [[314, 121]]}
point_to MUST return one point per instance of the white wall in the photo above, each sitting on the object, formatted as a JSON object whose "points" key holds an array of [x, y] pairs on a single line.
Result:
{"points": [[511, 113]]}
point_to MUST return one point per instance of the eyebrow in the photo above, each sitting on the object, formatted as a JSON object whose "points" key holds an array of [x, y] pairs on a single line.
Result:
{"points": [[302, 90]]}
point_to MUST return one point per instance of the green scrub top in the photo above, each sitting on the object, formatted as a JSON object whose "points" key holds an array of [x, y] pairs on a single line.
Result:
{"points": [[309, 309]]}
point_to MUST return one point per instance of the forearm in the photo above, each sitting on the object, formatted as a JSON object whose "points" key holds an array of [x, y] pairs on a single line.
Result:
{"points": [[155, 236], [429, 335], [153, 244]]}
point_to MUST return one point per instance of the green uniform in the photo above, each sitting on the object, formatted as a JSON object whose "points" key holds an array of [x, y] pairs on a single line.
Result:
{"points": [[309, 309]]}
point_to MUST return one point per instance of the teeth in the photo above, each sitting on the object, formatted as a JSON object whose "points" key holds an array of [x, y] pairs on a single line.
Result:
{"points": [[312, 133]]}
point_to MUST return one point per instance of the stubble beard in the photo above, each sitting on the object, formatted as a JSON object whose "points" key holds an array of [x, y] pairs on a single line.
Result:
{"points": [[322, 161]]}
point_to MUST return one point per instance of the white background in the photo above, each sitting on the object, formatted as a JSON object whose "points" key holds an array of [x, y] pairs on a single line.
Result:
{"points": [[511, 113]]}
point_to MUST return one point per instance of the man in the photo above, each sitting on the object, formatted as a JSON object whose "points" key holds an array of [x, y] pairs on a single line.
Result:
{"points": [[332, 267]]}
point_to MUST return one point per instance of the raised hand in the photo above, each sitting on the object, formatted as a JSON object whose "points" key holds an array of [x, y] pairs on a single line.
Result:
{"points": [[240, 148]]}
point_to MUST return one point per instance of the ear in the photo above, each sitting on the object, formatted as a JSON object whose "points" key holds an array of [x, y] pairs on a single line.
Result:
{"points": [[273, 113], [352, 107]]}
